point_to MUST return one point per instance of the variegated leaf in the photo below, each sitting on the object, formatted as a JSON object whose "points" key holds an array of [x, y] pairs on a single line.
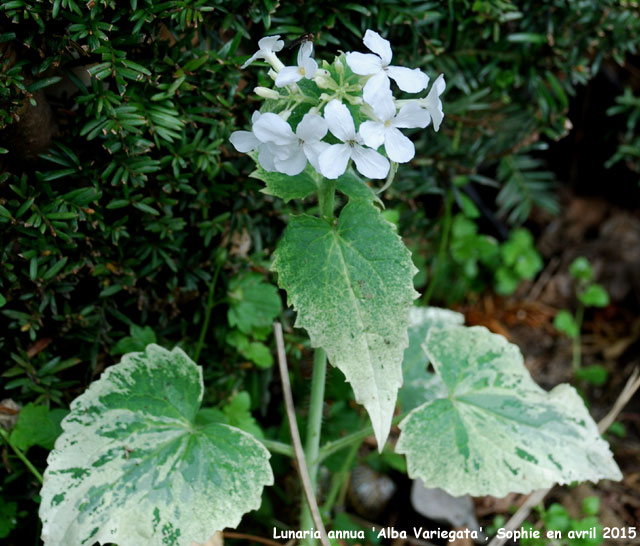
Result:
{"points": [[134, 468], [496, 431], [351, 284], [419, 385]]}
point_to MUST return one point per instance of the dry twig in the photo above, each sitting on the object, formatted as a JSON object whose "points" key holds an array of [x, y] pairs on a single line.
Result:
{"points": [[295, 436]]}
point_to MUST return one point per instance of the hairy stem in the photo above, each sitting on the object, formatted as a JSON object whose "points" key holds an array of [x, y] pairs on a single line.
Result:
{"points": [[314, 425], [338, 480], [278, 447], [355, 437], [326, 198]]}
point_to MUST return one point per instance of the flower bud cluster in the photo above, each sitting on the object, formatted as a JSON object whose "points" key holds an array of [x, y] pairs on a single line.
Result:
{"points": [[330, 115]]}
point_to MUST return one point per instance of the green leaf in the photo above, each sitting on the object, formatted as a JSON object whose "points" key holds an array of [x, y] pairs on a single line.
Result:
{"points": [[355, 187], [8, 517], [468, 207], [3, 300], [418, 385], [238, 412], [591, 506], [288, 187], [505, 281], [594, 296], [351, 284], [596, 374], [527, 37], [37, 425], [556, 518], [139, 337], [133, 468], [259, 354], [496, 431], [581, 270], [252, 302], [255, 351], [565, 322]]}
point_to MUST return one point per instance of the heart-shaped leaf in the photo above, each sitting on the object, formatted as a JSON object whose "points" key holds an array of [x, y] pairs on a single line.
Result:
{"points": [[496, 431], [351, 284], [134, 468]]}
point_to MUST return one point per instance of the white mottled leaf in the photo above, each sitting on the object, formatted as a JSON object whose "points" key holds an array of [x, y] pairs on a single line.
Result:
{"points": [[132, 466], [351, 284], [496, 431], [419, 385]]}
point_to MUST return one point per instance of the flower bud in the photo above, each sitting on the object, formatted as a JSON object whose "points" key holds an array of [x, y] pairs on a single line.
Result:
{"points": [[339, 67], [323, 79], [285, 114], [356, 101], [266, 93]]}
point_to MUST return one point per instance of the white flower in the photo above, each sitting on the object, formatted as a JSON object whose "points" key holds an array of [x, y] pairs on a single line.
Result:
{"points": [[304, 144], [247, 141], [268, 48], [333, 161], [377, 66], [386, 129], [432, 101], [306, 67]]}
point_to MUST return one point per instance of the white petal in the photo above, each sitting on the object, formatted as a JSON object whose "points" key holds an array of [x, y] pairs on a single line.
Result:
{"points": [[364, 64], [287, 76], [376, 88], [379, 45], [293, 165], [384, 107], [257, 55], [411, 81], [313, 150], [440, 84], [272, 128], [244, 141], [271, 43], [304, 52], [333, 161], [309, 66], [410, 116], [266, 157], [398, 147], [372, 133], [312, 127], [433, 104], [369, 162], [339, 121], [255, 116]]}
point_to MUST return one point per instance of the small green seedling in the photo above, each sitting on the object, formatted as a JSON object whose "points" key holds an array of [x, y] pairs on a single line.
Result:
{"points": [[565, 530], [590, 294]]}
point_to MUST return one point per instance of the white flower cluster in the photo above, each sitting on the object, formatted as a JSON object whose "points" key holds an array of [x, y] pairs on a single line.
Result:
{"points": [[324, 105]]}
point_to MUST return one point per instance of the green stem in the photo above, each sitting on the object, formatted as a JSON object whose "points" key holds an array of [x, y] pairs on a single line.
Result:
{"points": [[336, 445], [207, 314], [326, 198], [444, 240], [21, 456], [339, 479], [278, 447], [314, 425], [576, 341]]}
